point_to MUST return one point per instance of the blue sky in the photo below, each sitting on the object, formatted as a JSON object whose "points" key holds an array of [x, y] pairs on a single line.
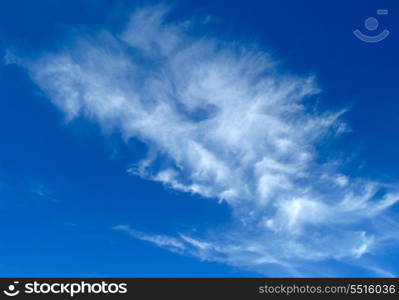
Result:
{"points": [[220, 138]]}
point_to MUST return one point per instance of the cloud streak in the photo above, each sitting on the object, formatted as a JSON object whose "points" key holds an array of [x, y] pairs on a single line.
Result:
{"points": [[222, 120]]}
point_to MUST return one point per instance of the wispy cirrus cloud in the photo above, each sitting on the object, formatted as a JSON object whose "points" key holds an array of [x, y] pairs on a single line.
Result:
{"points": [[226, 123]]}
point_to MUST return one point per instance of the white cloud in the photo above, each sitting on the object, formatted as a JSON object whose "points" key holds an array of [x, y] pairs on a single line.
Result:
{"points": [[227, 124], [159, 240]]}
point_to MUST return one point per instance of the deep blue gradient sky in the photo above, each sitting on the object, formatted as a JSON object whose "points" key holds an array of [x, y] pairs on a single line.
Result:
{"points": [[64, 185]]}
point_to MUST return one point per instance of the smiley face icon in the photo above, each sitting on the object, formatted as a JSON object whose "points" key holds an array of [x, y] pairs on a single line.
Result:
{"points": [[12, 291], [371, 24]]}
